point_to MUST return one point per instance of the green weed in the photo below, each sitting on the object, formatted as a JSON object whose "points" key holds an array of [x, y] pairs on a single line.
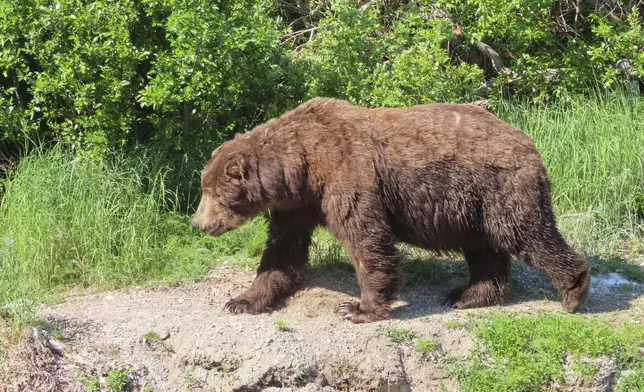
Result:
{"points": [[91, 384], [152, 336], [587, 369], [527, 352], [454, 324], [400, 335], [192, 381], [345, 370], [117, 380], [425, 346], [282, 326]]}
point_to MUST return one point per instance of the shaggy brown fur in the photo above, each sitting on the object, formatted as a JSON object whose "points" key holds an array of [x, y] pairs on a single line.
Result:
{"points": [[438, 176]]}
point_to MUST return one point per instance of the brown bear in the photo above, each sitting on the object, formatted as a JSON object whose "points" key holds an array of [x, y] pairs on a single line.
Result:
{"points": [[437, 176]]}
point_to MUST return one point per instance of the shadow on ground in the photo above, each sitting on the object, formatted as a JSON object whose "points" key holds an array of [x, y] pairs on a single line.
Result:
{"points": [[427, 280]]}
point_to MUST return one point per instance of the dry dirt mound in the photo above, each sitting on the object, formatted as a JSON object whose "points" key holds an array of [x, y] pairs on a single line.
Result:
{"points": [[181, 339]]}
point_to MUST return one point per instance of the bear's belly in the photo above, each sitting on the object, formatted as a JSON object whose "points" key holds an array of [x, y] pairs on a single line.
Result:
{"points": [[436, 207], [447, 238]]}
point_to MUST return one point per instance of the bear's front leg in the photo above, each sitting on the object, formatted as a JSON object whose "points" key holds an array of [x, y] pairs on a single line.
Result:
{"points": [[282, 264], [377, 270], [360, 222]]}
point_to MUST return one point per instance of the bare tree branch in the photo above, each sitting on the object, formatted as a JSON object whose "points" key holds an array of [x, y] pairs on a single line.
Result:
{"points": [[494, 56], [294, 35]]}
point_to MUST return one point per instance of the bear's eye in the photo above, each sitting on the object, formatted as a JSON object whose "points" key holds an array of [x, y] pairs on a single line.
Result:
{"points": [[233, 195]]}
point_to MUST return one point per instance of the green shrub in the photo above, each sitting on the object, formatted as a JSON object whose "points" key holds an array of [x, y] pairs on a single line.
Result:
{"points": [[104, 74], [190, 73], [527, 352], [355, 57], [399, 53], [553, 47]]}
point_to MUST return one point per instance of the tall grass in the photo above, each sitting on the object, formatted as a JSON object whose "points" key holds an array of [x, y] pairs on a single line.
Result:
{"points": [[593, 149], [76, 221]]}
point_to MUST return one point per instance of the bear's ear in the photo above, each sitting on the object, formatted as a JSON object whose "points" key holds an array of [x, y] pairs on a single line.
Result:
{"points": [[237, 168]]}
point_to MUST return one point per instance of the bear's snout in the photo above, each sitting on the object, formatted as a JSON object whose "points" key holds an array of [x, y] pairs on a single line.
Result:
{"points": [[195, 224]]}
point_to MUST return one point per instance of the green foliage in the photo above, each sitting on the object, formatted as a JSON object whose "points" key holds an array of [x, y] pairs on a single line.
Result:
{"points": [[591, 147], [78, 221], [425, 346], [553, 47], [103, 74], [187, 74], [117, 380], [527, 352], [72, 68], [224, 63], [282, 326], [355, 57], [587, 369], [399, 335], [617, 41]]}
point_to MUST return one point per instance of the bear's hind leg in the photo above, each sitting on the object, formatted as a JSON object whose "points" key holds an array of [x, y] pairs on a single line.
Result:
{"points": [[489, 280], [568, 270], [282, 264]]}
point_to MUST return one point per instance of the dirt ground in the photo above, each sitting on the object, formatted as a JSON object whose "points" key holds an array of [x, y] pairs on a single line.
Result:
{"points": [[201, 347]]}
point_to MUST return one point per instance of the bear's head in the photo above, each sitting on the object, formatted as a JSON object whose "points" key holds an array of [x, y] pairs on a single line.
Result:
{"points": [[230, 189]]}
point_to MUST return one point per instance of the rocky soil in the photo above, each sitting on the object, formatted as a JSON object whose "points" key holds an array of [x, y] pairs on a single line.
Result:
{"points": [[181, 339]]}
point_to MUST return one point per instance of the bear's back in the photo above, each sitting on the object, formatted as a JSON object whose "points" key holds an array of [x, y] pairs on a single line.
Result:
{"points": [[414, 136]]}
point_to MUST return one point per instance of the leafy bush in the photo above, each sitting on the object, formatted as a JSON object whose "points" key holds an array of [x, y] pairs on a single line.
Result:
{"points": [[395, 52], [554, 47], [355, 57], [224, 68], [103, 74], [189, 73]]}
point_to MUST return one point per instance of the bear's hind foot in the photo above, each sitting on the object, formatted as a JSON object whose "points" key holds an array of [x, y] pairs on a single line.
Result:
{"points": [[352, 311], [477, 295], [574, 297]]}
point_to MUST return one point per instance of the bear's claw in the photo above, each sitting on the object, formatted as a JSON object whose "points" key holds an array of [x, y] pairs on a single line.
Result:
{"points": [[348, 309], [451, 304], [453, 297], [237, 306]]}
